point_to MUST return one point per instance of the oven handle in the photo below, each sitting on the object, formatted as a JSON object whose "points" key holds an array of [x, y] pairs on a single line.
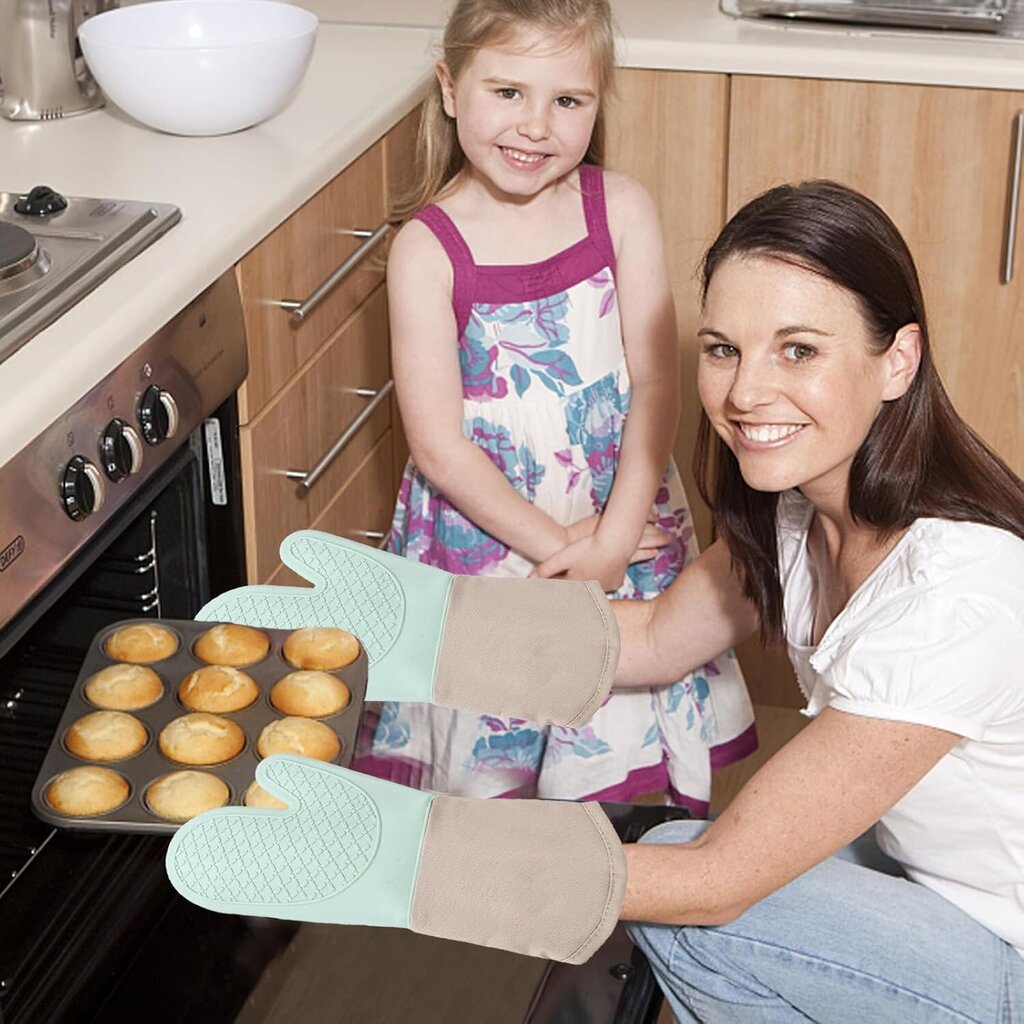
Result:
{"points": [[308, 478], [300, 310]]}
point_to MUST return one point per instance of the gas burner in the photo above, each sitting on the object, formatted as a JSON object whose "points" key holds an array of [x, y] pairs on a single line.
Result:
{"points": [[21, 259], [54, 250]]}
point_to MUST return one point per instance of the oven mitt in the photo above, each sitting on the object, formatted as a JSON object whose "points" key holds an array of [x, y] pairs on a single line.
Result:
{"points": [[542, 650], [540, 877]]}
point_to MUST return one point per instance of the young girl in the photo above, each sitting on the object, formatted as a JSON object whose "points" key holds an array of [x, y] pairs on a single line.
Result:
{"points": [[530, 312]]}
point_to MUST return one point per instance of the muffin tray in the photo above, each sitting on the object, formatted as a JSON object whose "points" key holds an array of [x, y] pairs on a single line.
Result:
{"points": [[149, 764]]}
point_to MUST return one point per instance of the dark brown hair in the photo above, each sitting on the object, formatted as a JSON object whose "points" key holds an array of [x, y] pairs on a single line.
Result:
{"points": [[919, 458]]}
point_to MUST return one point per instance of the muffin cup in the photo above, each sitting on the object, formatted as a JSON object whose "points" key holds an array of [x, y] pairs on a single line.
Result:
{"points": [[149, 764]]}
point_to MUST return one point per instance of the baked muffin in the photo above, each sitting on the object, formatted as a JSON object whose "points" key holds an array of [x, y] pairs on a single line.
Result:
{"points": [[105, 736], [142, 642], [201, 738], [179, 796], [299, 736], [231, 644], [124, 687], [310, 694], [86, 791], [218, 688], [320, 647], [257, 796]]}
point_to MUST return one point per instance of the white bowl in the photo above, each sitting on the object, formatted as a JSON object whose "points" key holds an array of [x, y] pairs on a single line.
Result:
{"points": [[199, 67]]}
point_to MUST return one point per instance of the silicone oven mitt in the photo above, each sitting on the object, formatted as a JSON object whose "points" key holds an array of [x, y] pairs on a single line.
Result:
{"points": [[541, 877], [543, 650]]}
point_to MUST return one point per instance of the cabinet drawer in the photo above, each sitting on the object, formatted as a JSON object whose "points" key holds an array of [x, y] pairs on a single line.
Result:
{"points": [[292, 262], [302, 425], [360, 510]]}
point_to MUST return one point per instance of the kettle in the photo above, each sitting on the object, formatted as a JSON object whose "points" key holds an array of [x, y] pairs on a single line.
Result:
{"points": [[42, 73]]}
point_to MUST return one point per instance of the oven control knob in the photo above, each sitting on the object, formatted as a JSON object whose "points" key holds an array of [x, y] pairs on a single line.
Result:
{"points": [[158, 415], [81, 490], [120, 450]]}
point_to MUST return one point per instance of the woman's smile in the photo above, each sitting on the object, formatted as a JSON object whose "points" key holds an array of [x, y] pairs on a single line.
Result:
{"points": [[767, 435]]}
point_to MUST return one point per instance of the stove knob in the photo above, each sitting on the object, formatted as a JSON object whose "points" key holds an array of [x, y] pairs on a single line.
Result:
{"points": [[158, 415], [81, 490], [120, 450], [41, 202]]}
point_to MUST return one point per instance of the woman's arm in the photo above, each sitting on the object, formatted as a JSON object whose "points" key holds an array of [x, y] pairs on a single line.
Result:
{"points": [[428, 383], [832, 781], [701, 614]]}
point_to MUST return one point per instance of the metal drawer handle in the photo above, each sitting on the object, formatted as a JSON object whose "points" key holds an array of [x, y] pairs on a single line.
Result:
{"points": [[307, 479], [1011, 207], [300, 310], [380, 536]]}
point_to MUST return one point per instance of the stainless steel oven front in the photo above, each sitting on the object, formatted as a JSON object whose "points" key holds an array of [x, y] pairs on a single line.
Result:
{"points": [[127, 505]]}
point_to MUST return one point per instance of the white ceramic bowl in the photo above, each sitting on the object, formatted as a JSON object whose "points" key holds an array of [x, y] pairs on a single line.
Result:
{"points": [[199, 67]]}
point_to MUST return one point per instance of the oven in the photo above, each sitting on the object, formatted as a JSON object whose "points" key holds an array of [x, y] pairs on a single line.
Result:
{"points": [[129, 505]]}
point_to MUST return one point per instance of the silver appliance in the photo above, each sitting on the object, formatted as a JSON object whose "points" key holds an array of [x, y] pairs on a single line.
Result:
{"points": [[54, 250], [42, 72], [956, 15]]}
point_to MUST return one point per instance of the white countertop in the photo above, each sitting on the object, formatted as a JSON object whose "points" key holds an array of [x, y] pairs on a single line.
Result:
{"points": [[371, 66]]}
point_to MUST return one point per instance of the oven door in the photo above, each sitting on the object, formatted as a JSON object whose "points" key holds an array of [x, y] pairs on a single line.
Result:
{"points": [[74, 906]]}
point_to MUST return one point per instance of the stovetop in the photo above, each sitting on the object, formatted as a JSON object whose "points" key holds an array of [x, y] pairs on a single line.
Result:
{"points": [[54, 249]]}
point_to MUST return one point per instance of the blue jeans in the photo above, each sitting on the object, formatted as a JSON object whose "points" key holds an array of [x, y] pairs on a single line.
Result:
{"points": [[845, 943]]}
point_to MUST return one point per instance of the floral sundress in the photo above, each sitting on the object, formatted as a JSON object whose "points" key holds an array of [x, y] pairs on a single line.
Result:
{"points": [[546, 394]]}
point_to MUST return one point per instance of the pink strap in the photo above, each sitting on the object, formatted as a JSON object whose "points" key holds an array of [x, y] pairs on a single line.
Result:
{"points": [[595, 211]]}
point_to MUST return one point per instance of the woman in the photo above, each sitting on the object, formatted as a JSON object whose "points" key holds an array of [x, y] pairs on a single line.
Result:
{"points": [[860, 520], [863, 522]]}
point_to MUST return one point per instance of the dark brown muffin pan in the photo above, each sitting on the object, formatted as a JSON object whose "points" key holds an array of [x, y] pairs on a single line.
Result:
{"points": [[150, 764]]}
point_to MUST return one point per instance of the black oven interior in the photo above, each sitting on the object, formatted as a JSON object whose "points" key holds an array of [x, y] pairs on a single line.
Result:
{"points": [[75, 908]]}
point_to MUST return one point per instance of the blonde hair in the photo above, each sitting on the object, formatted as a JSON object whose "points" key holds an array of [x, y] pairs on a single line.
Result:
{"points": [[474, 24]]}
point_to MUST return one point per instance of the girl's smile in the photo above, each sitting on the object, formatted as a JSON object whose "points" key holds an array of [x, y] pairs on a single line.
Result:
{"points": [[789, 376]]}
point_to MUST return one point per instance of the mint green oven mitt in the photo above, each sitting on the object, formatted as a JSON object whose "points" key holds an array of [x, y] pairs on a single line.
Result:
{"points": [[540, 877], [543, 650]]}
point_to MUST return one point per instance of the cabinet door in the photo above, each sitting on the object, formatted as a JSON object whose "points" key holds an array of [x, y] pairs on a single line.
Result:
{"points": [[360, 511], [292, 263], [667, 129], [937, 160], [301, 426]]}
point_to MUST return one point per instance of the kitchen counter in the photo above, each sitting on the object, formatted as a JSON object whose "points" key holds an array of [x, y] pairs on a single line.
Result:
{"points": [[371, 66], [232, 190]]}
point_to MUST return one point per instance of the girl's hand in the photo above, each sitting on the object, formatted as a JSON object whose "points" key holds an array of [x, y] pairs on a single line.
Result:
{"points": [[586, 559], [651, 540], [592, 558]]}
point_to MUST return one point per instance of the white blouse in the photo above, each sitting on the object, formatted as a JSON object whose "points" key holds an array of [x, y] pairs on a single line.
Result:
{"points": [[935, 636]]}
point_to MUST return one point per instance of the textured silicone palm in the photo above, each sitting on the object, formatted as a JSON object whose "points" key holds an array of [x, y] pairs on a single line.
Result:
{"points": [[394, 605], [345, 851]]}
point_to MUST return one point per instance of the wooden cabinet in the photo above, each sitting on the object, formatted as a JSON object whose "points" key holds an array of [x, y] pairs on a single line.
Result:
{"points": [[292, 262], [668, 130], [936, 159], [300, 426], [318, 396]]}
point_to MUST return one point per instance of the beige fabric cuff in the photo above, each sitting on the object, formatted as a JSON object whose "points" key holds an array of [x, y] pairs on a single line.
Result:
{"points": [[540, 877], [543, 650]]}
